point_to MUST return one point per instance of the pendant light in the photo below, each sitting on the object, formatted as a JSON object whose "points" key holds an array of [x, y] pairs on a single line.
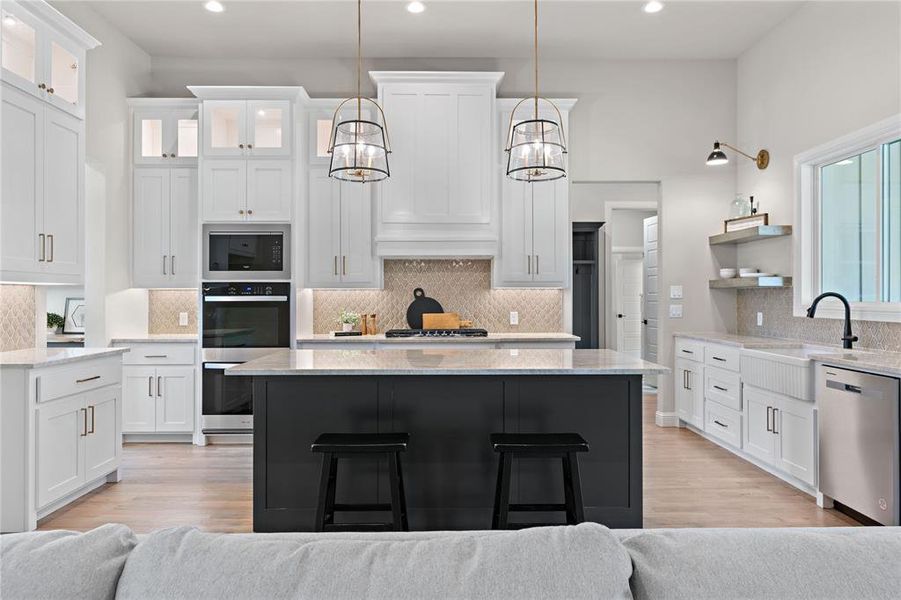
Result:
{"points": [[535, 146], [359, 144]]}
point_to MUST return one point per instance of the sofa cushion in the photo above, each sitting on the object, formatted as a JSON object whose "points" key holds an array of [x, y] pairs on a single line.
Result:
{"points": [[822, 563], [64, 564], [584, 561]]}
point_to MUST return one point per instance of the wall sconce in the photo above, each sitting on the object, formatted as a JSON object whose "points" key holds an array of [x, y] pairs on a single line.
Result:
{"points": [[718, 157]]}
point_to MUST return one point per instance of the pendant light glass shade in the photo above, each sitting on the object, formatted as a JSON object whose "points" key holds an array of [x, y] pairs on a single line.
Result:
{"points": [[358, 144], [536, 145]]}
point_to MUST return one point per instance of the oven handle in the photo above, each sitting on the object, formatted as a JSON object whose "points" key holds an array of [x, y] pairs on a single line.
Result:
{"points": [[245, 298], [219, 366]]}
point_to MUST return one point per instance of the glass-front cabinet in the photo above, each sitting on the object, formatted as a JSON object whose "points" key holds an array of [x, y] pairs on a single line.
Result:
{"points": [[165, 131], [41, 60], [247, 128]]}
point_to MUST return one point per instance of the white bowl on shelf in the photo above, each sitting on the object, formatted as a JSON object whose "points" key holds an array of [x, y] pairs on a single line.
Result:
{"points": [[727, 273]]}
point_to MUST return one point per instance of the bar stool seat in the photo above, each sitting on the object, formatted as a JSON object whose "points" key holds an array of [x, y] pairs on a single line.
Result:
{"points": [[565, 446], [335, 446]]}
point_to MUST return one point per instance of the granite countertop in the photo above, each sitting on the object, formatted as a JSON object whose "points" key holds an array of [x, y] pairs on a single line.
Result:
{"points": [[447, 362], [882, 363], [65, 338], [48, 357], [492, 338], [740, 341], [162, 338]]}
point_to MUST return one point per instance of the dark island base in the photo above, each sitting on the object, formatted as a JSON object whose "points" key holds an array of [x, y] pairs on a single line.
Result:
{"points": [[450, 469]]}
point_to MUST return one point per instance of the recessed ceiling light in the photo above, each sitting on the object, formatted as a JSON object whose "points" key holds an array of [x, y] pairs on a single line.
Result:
{"points": [[654, 6], [9, 20], [415, 7], [213, 6]]}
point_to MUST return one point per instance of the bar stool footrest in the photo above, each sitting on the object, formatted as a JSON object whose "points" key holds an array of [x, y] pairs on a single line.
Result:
{"points": [[358, 527], [537, 507], [362, 507]]}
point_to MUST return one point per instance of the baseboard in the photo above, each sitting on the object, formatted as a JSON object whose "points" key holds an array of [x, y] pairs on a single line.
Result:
{"points": [[666, 419], [59, 503], [157, 438]]}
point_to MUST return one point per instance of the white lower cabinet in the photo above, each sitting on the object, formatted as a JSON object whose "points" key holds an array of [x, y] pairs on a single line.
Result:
{"points": [[689, 381], [159, 399]]}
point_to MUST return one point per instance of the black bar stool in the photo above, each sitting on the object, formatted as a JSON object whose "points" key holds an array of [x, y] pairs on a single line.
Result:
{"points": [[334, 446], [542, 445]]}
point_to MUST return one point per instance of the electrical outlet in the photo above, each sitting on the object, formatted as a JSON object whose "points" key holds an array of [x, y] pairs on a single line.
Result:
{"points": [[675, 311], [760, 319], [675, 292], [514, 317], [183, 319]]}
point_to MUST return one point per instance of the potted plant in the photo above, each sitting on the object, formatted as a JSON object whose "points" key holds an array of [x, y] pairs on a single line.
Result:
{"points": [[348, 320], [54, 323]]}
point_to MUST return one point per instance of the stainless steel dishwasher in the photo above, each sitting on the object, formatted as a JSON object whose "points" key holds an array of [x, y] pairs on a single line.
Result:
{"points": [[858, 441]]}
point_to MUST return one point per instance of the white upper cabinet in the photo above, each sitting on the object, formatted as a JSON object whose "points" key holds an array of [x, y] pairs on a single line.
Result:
{"points": [[340, 234], [165, 132], [440, 197], [43, 54], [247, 128], [534, 234], [247, 190]]}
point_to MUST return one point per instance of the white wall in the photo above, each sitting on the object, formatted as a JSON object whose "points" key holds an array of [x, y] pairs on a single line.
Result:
{"points": [[627, 227], [828, 70], [116, 70]]}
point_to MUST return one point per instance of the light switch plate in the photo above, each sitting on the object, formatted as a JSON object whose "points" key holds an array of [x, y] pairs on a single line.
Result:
{"points": [[514, 317], [675, 292], [183, 319], [759, 319], [675, 311]]}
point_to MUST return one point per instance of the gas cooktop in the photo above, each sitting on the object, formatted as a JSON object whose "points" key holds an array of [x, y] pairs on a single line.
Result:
{"points": [[428, 333]]}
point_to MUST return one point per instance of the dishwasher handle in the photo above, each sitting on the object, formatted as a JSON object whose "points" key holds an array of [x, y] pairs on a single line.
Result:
{"points": [[841, 386]]}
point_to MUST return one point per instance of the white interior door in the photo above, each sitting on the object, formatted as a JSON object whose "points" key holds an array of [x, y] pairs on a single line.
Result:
{"points": [[627, 298], [650, 294]]}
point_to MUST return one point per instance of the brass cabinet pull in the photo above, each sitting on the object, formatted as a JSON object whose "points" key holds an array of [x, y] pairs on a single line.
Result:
{"points": [[50, 239], [42, 86], [42, 240], [250, 146], [241, 146], [150, 386], [172, 155], [92, 418], [249, 211], [95, 377], [50, 90], [240, 211], [159, 386], [84, 432], [165, 155], [164, 264], [344, 265]]}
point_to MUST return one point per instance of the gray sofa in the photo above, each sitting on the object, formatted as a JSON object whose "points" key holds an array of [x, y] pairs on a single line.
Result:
{"points": [[585, 561]]}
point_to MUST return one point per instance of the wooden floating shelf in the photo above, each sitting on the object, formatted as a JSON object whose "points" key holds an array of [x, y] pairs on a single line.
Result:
{"points": [[750, 283], [751, 234]]}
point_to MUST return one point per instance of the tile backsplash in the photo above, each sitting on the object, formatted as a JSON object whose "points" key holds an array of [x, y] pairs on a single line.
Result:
{"points": [[17, 306], [462, 286], [164, 306], [778, 321]]}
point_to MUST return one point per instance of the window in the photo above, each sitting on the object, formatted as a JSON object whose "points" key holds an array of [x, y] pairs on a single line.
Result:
{"points": [[849, 222]]}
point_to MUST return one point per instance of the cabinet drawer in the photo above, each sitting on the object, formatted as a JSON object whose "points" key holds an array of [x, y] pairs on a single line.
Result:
{"points": [[723, 423], [159, 354], [90, 375], [724, 357], [723, 386], [690, 349]]}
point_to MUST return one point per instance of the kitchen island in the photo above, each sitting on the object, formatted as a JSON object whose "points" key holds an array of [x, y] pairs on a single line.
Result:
{"points": [[449, 401]]}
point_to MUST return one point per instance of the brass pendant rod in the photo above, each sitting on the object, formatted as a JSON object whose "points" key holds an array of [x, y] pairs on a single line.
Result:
{"points": [[737, 150], [359, 58], [536, 59]]}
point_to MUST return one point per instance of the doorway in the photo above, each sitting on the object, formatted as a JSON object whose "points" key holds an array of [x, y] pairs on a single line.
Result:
{"points": [[628, 302], [585, 283]]}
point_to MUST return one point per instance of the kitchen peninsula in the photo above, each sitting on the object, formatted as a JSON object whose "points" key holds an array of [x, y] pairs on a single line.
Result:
{"points": [[449, 401]]}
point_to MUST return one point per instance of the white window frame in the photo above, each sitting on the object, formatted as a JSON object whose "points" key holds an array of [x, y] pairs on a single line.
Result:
{"points": [[807, 219]]}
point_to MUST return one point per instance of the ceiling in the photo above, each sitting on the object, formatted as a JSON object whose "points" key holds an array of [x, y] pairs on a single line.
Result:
{"points": [[448, 28]]}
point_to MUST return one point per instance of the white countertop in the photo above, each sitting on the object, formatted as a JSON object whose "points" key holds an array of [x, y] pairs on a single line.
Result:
{"points": [[491, 338], [48, 357], [162, 338], [446, 362], [740, 341]]}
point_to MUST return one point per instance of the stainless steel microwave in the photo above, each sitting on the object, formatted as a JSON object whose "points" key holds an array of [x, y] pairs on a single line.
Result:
{"points": [[246, 252]]}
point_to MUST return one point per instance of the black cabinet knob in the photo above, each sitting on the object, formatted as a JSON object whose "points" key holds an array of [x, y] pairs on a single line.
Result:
{"points": [[620, 316]]}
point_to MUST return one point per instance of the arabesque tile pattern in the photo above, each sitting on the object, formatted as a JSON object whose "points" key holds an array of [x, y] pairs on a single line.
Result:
{"points": [[16, 317], [164, 306]]}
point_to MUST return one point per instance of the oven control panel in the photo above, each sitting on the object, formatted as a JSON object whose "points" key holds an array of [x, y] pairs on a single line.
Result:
{"points": [[244, 288]]}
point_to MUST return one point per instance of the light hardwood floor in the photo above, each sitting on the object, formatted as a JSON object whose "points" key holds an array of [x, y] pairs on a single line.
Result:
{"points": [[688, 482]]}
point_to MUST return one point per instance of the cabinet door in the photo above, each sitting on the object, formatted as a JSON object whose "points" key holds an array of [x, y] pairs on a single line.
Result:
{"points": [[224, 127], [103, 442], [794, 424], [22, 243], [516, 233], [22, 53], [151, 227], [149, 133], [182, 136], [682, 394], [550, 233], [63, 192], [65, 74], [175, 399], [183, 230], [357, 264], [324, 229], [224, 190], [759, 440], [138, 399], [60, 432], [269, 190], [269, 129]]}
